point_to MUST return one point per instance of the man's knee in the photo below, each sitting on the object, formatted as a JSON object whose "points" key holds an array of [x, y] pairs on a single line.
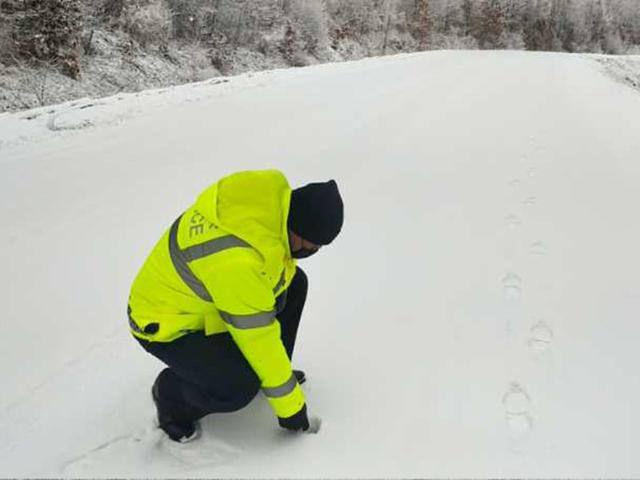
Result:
{"points": [[234, 391], [244, 397], [239, 396]]}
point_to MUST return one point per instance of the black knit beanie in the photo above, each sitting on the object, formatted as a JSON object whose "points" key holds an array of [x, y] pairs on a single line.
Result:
{"points": [[316, 212]]}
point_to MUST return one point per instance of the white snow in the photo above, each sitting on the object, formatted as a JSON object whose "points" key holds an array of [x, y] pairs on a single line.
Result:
{"points": [[476, 318]]}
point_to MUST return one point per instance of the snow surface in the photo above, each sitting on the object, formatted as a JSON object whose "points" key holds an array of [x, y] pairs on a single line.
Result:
{"points": [[477, 317]]}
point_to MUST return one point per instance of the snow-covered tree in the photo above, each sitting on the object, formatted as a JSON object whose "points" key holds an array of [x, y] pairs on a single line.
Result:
{"points": [[626, 15], [470, 14], [112, 9], [352, 19], [537, 30], [51, 31], [47, 32], [306, 30], [422, 22], [605, 33], [7, 46], [562, 20], [388, 20], [453, 18], [190, 17], [491, 25]]}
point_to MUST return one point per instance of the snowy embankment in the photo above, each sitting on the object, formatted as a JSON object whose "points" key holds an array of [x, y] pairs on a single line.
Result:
{"points": [[625, 69], [476, 318]]}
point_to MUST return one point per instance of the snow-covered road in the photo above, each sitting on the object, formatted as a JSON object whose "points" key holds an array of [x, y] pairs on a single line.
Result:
{"points": [[478, 316]]}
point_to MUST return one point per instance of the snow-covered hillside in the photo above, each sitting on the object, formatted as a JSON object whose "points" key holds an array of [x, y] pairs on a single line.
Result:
{"points": [[477, 317]]}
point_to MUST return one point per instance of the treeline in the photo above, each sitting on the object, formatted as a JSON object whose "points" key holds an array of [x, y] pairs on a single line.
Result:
{"points": [[60, 32]]}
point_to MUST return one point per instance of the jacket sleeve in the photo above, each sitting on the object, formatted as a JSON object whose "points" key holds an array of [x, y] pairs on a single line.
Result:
{"points": [[247, 305]]}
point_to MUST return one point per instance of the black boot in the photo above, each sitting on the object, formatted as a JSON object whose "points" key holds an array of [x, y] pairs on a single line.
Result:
{"points": [[300, 376], [178, 430]]}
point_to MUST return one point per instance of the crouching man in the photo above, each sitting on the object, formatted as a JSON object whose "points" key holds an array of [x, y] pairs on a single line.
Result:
{"points": [[220, 297]]}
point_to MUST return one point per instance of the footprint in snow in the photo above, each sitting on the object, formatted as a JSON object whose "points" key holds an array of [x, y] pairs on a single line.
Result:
{"points": [[540, 337], [200, 453], [138, 451], [517, 405], [512, 221], [512, 286], [530, 201], [538, 248]]}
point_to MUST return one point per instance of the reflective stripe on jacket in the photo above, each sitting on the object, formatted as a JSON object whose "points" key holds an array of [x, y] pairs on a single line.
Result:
{"points": [[219, 268]]}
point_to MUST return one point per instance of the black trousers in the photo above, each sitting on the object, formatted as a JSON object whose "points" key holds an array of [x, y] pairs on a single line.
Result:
{"points": [[209, 374]]}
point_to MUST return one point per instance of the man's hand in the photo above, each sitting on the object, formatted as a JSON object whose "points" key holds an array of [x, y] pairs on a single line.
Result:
{"points": [[297, 422]]}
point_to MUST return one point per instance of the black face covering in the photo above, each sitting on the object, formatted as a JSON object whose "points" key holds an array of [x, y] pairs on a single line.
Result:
{"points": [[304, 252]]}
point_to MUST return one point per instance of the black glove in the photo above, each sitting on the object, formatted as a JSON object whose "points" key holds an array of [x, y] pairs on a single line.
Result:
{"points": [[297, 422]]}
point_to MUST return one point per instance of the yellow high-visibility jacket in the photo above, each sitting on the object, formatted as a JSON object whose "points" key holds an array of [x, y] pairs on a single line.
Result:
{"points": [[219, 268]]}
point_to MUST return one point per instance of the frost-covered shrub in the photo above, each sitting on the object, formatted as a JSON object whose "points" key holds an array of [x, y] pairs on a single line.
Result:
{"points": [[112, 9], [46, 33], [352, 19], [221, 53], [453, 42], [350, 49], [193, 19], [7, 47], [148, 24], [512, 41], [184, 18]]}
